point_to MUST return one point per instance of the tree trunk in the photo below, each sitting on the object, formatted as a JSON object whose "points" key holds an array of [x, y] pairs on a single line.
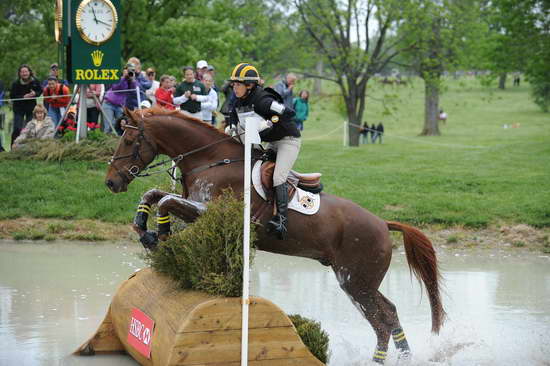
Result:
{"points": [[431, 108], [353, 133], [502, 81], [318, 82]]}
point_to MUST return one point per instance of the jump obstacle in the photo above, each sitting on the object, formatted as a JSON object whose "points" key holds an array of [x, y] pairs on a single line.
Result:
{"points": [[158, 324]]}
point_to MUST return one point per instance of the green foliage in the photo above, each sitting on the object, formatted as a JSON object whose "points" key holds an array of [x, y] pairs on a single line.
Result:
{"points": [[315, 338], [208, 255], [99, 147]]}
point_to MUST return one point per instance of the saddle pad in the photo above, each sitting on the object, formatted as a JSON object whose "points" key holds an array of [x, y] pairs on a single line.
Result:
{"points": [[302, 201]]}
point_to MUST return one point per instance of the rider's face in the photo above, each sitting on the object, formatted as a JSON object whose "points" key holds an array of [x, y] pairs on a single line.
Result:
{"points": [[239, 89]]}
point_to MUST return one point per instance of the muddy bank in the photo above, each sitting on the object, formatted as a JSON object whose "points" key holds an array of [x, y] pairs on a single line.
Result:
{"points": [[506, 236]]}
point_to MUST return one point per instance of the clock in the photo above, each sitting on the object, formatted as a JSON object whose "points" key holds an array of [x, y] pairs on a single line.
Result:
{"points": [[96, 21], [58, 21]]}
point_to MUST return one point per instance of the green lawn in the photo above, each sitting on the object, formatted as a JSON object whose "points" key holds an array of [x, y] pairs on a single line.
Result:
{"points": [[475, 174]]}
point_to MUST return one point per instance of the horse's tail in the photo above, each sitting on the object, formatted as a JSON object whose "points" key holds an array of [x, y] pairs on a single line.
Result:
{"points": [[423, 262]]}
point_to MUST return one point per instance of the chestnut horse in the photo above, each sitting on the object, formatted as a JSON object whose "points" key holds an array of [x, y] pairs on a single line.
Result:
{"points": [[343, 235]]}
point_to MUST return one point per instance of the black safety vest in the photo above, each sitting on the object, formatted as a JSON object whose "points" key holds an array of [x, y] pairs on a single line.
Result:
{"points": [[259, 100]]}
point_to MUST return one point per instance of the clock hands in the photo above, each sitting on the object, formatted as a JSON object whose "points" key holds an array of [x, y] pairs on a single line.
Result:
{"points": [[95, 18], [102, 22]]}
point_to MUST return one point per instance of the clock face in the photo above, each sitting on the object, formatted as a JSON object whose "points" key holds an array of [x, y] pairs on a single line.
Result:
{"points": [[96, 20]]}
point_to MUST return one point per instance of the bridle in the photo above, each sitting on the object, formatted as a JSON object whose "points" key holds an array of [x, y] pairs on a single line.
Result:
{"points": [[134, 170]]}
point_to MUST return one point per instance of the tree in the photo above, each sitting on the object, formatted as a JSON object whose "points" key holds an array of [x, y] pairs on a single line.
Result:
{"points": [[343, 33], [443, 33], [527, 27], [26, 37]]}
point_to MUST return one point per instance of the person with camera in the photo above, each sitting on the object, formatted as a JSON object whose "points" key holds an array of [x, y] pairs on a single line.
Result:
{"points": [[115, 97], [141, 81], [187, 91]]}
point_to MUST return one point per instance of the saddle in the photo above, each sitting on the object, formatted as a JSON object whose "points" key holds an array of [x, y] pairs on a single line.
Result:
{"points": [[310, 182]]}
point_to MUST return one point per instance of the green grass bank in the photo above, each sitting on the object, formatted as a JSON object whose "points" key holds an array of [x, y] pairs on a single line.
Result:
{"points": [[476, 174]]}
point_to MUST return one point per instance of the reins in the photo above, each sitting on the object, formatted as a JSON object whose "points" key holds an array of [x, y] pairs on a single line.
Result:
{"points": [[148, 171]]}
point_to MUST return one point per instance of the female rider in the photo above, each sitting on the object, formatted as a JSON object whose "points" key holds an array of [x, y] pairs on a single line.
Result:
{"points": [[283, 135]]}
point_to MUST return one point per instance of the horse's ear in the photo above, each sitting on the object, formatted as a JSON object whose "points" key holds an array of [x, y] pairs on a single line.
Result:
{"points": [[131, 116]]}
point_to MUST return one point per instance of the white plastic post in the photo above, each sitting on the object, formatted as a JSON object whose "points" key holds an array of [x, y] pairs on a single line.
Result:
{"points": [[345, 134], [252, 127], [82, 128]]}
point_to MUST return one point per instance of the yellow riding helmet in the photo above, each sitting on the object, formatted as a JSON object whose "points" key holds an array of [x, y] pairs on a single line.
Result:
{"points": [[245, 72]]}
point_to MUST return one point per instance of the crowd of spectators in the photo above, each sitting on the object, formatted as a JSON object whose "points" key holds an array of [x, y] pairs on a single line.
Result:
{"points": [[196, 94]]}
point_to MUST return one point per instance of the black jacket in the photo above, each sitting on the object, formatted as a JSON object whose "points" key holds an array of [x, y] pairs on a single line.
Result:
{"points": [[260, 101], [18, 90]]}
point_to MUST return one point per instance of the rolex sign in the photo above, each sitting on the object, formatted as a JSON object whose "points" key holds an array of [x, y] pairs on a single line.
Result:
{"points": [[95, 41]]}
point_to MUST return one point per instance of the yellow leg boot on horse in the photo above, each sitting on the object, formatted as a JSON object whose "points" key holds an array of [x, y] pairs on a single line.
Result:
{"points": [[278, 223]]}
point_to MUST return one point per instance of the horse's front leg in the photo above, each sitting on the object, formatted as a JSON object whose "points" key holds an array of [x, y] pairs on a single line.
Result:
{"points": [[167, 203], [185, 209]]}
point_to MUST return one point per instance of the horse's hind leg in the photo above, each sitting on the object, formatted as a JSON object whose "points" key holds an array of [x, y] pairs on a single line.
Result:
{"points": [[382, 315]]}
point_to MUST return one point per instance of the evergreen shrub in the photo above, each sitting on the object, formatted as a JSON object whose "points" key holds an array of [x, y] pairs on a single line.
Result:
{"points": [[315, 338], [207, 254]]}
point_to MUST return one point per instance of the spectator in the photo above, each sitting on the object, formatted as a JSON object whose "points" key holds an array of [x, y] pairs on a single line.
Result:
{"points": [[209, 102], [140, 80], [364, 133], [202, 69], [373, 133], [284, 88], [184, 90], [54, 71], [94, 94], [25, 87], [229, 101], [174, 82], [517, 79], [58, 98], [69, 123], [301, 107], [40, 127], [115, 98], [150, 93], [442, 116], [377, 133], [164, 95]]}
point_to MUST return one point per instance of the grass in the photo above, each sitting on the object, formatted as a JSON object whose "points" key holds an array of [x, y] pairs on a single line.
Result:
{"points": [[476, 174]]}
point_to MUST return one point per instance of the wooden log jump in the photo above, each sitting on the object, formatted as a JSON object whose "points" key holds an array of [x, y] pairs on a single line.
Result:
{"points": [[193, 328]]}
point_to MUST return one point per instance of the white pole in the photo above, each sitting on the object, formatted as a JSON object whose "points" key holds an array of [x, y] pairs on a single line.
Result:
{"points": [[82, 128], [251, 136], [246, 250], [345, 134]]}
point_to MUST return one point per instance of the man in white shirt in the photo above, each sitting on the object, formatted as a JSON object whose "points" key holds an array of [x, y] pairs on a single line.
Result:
{"points": [[150, 93], [209, 102]]}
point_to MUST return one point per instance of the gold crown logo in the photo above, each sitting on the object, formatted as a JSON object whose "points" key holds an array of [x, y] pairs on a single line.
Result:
{"points": [[97, 58]]}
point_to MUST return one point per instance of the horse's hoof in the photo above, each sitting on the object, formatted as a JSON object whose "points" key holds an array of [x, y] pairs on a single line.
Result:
{"points": [[149, 240], [404, 358]]}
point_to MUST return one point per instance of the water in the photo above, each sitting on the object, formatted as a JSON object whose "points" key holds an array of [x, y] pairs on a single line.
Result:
{"points": [[53, 296]]}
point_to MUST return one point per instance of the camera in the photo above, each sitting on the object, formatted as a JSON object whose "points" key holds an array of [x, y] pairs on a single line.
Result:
{"points": [[131, 70]]}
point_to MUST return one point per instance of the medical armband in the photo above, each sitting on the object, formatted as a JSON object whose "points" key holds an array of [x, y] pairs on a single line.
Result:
{"points": [[277, 107]]}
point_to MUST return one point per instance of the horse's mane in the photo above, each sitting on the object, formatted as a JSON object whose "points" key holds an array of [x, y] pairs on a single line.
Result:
{"points": [[157, 111]]}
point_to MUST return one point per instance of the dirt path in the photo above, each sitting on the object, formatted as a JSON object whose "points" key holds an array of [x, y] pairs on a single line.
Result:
{"points": [[514, 237]]}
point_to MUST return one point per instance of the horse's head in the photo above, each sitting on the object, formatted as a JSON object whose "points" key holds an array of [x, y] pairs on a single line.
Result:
{"points": [[134, 152]]}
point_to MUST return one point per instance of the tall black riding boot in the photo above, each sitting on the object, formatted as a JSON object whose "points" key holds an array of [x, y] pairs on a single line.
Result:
{"points": [[277, 225]]}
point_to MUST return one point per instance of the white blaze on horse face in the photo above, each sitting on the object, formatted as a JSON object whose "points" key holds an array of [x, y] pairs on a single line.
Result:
{"points": [[201, 190]]}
